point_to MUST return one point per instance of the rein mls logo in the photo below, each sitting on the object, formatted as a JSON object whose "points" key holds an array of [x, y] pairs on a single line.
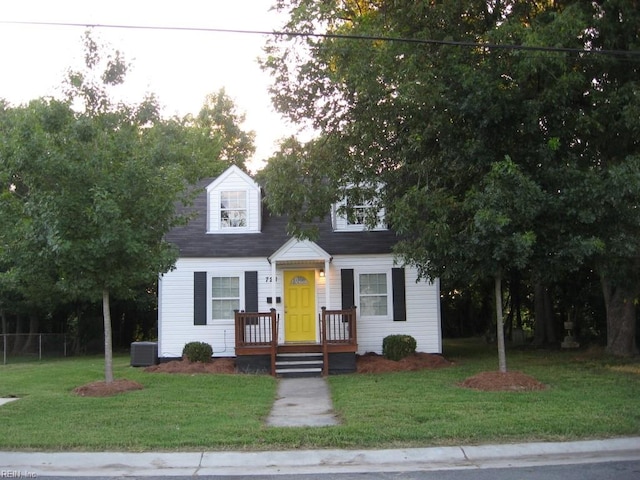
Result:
{"points": [[17, 474]]}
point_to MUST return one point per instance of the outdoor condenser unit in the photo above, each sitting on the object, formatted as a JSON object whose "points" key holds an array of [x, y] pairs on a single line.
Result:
{"points": [[144, 354]]}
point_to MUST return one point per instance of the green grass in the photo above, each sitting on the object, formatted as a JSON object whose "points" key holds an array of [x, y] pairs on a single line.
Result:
{"points": [[589, 395]]}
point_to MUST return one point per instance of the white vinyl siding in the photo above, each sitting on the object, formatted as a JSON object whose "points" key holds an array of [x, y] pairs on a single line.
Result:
{"points": [[422, 305], [175, 323]]}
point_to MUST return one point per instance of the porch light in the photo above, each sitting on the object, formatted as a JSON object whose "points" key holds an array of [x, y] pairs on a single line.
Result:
{"points": [[321, 274]]}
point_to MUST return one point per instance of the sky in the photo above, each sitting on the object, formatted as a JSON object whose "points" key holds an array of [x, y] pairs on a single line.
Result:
{"points": [[179, 67]]}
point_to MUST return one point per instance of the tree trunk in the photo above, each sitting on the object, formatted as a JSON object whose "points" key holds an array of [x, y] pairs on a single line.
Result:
{"points": [[621, 318], [33, 329], [4, 341], [108, 345], [502, 355], [545, 332], [18, 339]]}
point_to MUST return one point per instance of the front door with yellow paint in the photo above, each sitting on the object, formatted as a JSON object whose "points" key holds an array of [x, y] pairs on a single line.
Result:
{"points": [[299, 306]]}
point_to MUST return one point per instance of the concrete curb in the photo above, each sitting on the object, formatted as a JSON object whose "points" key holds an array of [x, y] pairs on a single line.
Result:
{"points": [[24, 464]]}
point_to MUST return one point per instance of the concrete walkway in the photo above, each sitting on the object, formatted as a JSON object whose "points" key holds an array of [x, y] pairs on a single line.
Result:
{"points": [[4, 400], [302, 402]]}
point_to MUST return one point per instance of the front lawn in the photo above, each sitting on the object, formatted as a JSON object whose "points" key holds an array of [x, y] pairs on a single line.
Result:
{"points": [[589, 395]]}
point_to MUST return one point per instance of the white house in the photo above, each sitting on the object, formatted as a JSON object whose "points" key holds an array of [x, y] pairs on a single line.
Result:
{"points": [[252, 292]]}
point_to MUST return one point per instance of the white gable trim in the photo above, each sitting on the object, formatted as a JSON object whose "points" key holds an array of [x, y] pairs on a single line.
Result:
{"points": [[295, 250], [232, 170]]}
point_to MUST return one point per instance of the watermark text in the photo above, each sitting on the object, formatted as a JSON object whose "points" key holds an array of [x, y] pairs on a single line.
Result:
{"points": [[17, 474]]}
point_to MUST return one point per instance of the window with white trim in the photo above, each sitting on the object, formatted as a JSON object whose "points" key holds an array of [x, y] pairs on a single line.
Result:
{"points": [[233, 209], [373, 294], [225, 297], [357, 213]]}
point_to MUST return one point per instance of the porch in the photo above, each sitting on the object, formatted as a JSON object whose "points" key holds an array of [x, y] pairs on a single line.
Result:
{"points": [[257, 347]]}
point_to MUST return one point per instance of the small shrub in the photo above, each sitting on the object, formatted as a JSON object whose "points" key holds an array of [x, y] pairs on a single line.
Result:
{"points": [[197, 352], [397, 347]]}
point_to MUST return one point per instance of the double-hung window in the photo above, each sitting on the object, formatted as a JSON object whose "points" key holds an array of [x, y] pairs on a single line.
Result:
{"points": [[225, 297], [233, 209], [357, 213], [373, 292]]}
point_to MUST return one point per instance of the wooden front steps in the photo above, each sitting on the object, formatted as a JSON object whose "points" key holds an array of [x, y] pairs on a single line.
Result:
{"points": [[299, 364]]}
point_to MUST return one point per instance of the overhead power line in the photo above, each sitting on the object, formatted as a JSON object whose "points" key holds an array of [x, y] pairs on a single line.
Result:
{"points": [[491, 46]]}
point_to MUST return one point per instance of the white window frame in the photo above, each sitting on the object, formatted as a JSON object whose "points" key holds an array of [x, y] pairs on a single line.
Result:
{"points": [[232, 228], [342, 222], [389, 293], [359, 215], [240, 298]]}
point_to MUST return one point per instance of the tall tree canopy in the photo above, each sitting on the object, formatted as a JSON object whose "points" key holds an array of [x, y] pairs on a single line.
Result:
{"points": [[454, 125], [91, 186]]}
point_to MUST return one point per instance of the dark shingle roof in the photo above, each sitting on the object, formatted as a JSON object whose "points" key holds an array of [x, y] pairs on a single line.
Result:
{"points": [[193, 241]]}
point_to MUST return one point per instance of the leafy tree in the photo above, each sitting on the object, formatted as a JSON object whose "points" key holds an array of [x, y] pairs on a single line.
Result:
{"points": [[434, 121], [218, 121], [93, 191]]}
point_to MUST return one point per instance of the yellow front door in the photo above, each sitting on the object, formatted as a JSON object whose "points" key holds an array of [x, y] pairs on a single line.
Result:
{"points": [[299, 306]]}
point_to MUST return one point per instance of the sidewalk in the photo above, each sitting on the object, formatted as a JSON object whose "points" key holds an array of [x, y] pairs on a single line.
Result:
{"points": [[302, 402], [112, 464]]}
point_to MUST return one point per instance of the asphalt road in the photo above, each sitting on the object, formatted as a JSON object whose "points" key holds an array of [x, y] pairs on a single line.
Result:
{"points": [[584, 471]]}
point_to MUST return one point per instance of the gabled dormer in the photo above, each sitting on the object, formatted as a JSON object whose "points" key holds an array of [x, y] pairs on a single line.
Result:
{"points": [[233, 203]]}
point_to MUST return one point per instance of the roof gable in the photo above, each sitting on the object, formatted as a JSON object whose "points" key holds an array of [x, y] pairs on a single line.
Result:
{"points": [[298, 250], [235, 173]]}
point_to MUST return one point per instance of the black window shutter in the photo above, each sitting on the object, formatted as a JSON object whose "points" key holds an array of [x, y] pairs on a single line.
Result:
{"points": [[199, 298], [346, 279], [251, 291], [399, 300]]}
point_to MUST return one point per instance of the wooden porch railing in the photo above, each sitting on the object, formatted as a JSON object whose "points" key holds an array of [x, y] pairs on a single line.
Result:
{"points": [[337, 327], [256, 329]]}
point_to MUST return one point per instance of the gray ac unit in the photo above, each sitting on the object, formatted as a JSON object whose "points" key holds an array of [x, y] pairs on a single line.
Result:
{"points": [[144, 354]]}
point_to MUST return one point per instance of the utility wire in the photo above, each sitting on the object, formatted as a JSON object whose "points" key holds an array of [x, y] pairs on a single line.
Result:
{"points": [[491, 46]]}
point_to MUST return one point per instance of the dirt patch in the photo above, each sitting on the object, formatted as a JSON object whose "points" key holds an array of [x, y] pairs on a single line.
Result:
{"points": [[374, 363], [217, 365], [501, 382], [104, 389]]}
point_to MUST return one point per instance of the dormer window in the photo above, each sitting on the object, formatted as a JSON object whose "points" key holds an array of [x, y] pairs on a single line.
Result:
{"points": [[233, 209], [233, 203], [355, 213]]}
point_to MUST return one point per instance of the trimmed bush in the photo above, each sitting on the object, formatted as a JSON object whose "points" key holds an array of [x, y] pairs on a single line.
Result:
{"points": [[396, 347], [197, 352]]}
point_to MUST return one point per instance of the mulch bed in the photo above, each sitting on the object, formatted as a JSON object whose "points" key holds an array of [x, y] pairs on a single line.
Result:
{"points": [[368, 363], [104, 389], [503, 382], [217, 365], [374, 363]]}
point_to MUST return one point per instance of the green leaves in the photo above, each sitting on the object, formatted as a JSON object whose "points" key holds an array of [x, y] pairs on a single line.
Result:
{"points": [[504, 212]]}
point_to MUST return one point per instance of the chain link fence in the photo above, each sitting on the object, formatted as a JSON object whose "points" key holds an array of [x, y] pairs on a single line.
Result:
{"points": [[32, 346]]}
